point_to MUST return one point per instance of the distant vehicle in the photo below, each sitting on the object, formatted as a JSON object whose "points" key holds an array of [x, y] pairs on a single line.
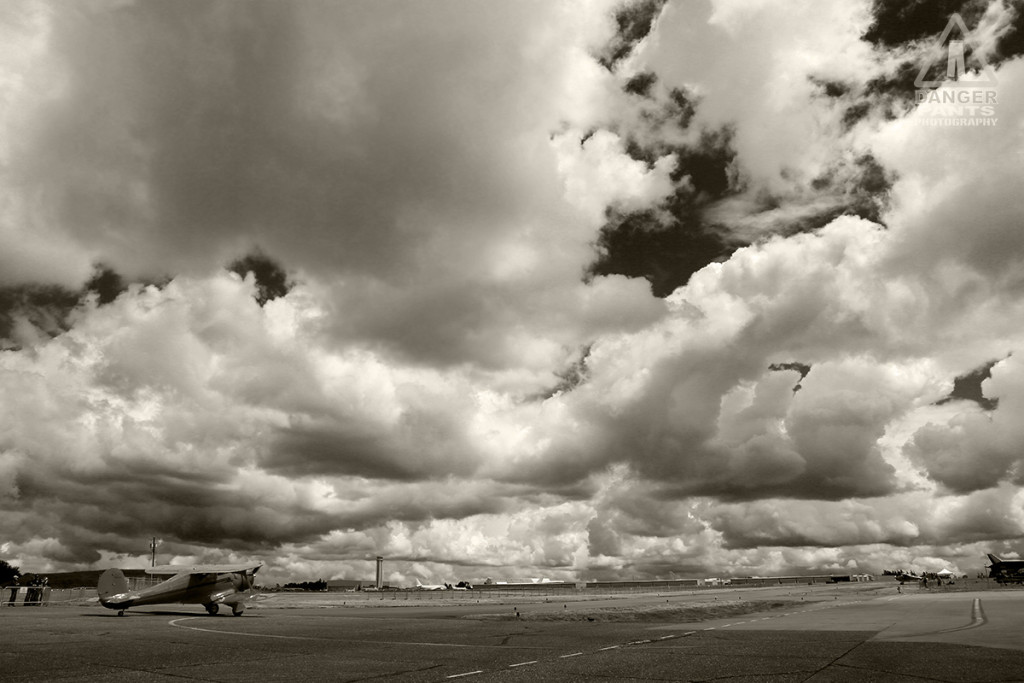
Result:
{"points": [[1006, 571], [903, 577], [209, 585]]}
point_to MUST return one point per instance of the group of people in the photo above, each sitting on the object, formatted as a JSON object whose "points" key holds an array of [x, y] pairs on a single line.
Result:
{"points": [[923, 582], [36, 587]]}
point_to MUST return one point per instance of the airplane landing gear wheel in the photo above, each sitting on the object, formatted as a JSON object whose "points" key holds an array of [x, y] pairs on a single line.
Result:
{"points": [[212, 608], [237, 611], [120, 613]]}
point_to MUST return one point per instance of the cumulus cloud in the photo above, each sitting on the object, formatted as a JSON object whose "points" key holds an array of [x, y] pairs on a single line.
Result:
{"points": [[975, 450], [557, 293], [757, 68]]}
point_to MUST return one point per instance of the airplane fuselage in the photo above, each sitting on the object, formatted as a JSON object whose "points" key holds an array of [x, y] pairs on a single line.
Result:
{"points": [[198, 589], [1006, 571]]}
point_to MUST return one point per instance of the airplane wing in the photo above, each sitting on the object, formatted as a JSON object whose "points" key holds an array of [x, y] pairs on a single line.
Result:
{"points": [[174, 569]]}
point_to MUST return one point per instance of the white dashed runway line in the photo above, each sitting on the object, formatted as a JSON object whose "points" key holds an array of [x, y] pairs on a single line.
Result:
{"points": [[646, 641], [570, 655]]}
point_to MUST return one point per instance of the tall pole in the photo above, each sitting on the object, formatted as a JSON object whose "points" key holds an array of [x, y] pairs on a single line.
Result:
{"points": [[152, 546]]}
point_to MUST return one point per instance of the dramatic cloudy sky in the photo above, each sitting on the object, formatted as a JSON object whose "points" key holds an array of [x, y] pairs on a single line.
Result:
{"points": [[574, 289]]}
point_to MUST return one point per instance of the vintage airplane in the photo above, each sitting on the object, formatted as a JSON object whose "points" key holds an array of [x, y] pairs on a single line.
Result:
{"points": [[907, 576], [1006, 571], [208, 585]]}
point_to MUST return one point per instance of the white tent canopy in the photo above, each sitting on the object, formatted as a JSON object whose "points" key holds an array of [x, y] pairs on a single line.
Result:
{"points": [[944, 573]]}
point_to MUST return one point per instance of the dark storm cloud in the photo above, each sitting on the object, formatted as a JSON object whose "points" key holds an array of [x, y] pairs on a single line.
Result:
{"points": [[213, 129], [827, 451], [194, 508], [200, 107], [960, 466], [389, 452]]}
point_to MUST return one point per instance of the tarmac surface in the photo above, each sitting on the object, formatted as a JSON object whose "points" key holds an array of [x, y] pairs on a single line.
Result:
{"points": [[815, 633]]}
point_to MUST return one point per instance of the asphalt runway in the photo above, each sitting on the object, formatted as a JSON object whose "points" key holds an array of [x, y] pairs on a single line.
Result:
{"points": [[820, 634]]}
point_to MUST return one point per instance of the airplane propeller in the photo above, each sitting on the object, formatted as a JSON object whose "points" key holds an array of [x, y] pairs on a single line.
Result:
{"points": [[246, 580]]}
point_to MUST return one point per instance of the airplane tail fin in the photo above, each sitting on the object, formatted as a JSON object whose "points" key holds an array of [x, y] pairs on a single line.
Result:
{"points": [[993, 559], [418, 584], [112, 582]]}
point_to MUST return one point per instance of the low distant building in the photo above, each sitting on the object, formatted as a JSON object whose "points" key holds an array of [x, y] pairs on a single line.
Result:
{"points": [[341, 585]]}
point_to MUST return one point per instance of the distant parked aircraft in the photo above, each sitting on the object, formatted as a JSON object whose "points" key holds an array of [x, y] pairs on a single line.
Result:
{"points": [[460, 586], [1006, 571], [210, 586]]}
